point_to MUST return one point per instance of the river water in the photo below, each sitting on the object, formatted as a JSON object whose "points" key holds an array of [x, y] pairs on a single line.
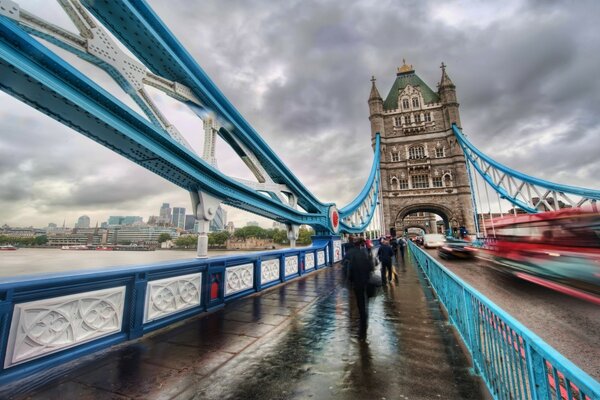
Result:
{"points": [[38, 261]]}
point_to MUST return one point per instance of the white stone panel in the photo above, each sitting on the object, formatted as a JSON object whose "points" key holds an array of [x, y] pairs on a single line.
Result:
{"points": [[238, 278], [291, 265], [168, 296], [269, 271], [42, 327], [320, 258], [337, 250], [309, 260]]}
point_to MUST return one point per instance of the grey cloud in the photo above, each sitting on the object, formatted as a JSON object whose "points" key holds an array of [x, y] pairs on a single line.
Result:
{"points": [[299, 72]]}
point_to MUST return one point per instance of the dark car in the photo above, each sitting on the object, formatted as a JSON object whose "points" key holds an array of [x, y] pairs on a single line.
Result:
{"points": [[418, 240], [456, 249]]}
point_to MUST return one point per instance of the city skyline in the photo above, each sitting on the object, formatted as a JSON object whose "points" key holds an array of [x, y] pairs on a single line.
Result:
{"points": [[525, 90]]}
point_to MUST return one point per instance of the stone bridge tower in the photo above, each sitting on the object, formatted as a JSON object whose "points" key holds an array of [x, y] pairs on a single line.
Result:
{"points": [[422, 166]]}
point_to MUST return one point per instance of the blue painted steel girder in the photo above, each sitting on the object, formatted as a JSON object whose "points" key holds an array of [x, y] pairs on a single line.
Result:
{"points": [[370, 192], [38, 77], [473, 154], [145, 35]]}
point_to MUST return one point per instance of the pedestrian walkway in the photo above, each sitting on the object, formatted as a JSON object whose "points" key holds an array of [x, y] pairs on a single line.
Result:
{"points": [[297, 341]]}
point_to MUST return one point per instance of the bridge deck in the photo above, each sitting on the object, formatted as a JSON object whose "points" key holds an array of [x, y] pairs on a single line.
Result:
{"points": [[295, 341]]}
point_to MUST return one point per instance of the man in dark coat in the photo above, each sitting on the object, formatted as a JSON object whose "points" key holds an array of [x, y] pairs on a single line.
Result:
{"points": [[360, 271], [385, 256]]}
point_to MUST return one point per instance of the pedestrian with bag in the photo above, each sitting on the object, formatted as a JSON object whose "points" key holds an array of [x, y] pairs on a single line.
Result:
{"points": [[360, 267], [385, 256]]}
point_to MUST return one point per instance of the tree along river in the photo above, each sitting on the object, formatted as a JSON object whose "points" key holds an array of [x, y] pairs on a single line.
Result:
{"points": [[39, 261]]}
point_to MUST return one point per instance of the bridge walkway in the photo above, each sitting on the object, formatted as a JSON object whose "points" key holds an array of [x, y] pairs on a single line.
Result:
{"points": [[297, 341]]}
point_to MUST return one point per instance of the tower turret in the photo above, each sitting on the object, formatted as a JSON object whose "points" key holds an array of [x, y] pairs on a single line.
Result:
{"points": [[375, 110], [447, 93]]}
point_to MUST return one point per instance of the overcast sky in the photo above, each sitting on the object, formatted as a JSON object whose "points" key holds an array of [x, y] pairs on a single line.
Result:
{"points": [[526, 74]]}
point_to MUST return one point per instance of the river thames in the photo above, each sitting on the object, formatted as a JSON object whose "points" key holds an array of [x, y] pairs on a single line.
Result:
{"points": [[39, 261]]}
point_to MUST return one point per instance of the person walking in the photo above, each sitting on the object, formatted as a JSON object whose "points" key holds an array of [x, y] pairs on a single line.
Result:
{"points": [[360, 267], [401, 247], [385, 256]]}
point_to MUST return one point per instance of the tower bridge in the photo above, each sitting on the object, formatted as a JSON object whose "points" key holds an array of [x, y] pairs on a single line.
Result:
{"points": [[233, 313]]}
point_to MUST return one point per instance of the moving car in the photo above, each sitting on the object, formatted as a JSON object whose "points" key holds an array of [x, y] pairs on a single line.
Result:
{"points": [[456, 249], [558, 249], [432, 240]]}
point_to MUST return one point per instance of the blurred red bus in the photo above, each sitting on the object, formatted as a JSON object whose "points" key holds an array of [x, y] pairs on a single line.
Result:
{"points": [[559, 250]]}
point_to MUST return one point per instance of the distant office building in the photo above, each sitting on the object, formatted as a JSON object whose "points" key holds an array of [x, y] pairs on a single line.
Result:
{"points": [[104, 225], [152, 220], [164, 216], [230, 227], [118, 220], [219, 221], [83, 222], [178, 217], [139, 234], [52, 225], [189, 222], [252, 223]]}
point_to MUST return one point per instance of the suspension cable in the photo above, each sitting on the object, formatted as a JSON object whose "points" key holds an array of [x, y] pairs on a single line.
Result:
{"points": [[479, 199]]}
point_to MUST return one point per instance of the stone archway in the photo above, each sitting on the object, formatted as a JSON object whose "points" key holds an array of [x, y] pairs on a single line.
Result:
{"points": [[421, 227], [448, 217]]}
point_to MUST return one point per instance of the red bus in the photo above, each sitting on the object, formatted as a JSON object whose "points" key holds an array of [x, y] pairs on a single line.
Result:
{"points": [[559, 250]]}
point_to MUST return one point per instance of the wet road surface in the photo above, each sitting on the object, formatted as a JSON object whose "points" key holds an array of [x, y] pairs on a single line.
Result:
{"points": [[570, 325], [297, 341]]}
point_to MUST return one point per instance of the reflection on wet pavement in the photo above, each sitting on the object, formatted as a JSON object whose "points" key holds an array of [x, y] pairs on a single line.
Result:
{"points": [[298, 341]]}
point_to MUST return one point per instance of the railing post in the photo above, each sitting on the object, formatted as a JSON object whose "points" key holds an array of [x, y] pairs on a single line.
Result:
{"points": [[136, 306], [538, 377], [6, 307]]}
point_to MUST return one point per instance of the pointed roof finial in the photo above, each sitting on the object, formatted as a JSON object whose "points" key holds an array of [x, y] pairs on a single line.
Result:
{"points": [[405, 68], [374, 95], [445, 82]]}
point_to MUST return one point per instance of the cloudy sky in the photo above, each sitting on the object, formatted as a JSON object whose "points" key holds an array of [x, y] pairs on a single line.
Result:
{"points": [[526, 74]]}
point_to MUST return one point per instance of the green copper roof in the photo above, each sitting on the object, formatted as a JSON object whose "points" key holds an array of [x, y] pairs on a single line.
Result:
{"points": [[404, 79]]}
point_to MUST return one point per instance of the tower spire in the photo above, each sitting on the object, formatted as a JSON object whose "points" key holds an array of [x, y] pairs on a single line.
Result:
{"points": [[374, 92], [446, 82]]}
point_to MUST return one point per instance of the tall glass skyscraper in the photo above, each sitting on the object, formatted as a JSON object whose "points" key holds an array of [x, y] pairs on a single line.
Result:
{"points": [[178, 219], [219, 221], [164, 216]]}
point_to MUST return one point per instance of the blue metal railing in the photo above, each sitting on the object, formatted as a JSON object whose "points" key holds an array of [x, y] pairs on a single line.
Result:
{"points": [[513, 361], [49, 319]]}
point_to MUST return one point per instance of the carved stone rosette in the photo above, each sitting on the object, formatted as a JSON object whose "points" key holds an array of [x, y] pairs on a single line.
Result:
{"points": [[46, 326], [309, 261], [291, 265], [337, 250], [167, 296], [239, 278], [320, 258], [269, 271]]}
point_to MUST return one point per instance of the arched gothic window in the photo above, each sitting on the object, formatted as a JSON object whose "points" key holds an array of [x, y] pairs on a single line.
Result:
{"points": [[415, 102], [407, 119], [395, 156], [405, 104], [416, 152], [394, 183]]}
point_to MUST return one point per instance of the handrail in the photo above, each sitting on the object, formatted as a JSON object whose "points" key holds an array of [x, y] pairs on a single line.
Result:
{"points": [[49, 319], [513, 361]]}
